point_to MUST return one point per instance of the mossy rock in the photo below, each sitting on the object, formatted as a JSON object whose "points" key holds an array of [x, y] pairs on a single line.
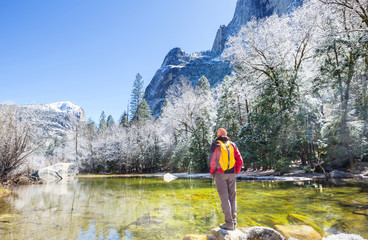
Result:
{"points": [[300, 232], [303, 220], [4, 192], [353, 224], [197, 237]]}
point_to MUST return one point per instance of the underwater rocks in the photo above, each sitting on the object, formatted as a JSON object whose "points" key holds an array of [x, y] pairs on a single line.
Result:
{"points": [[354, 223], [300, 219], [362, 212], [197, 237], [304, 232], [359, 203]]}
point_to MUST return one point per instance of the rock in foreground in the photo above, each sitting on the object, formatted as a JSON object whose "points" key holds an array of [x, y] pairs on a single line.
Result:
{"points": [[253, 233], [262, 233], [222, 234], [55, 172]]}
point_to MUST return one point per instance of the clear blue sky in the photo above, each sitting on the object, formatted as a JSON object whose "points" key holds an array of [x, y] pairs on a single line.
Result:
{"points": [[89, 51]]}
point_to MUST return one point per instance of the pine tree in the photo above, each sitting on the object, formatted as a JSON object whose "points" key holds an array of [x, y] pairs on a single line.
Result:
{"points": [[137, 95], [110, 121], [143, 112], [103, 124], [124, 121]]}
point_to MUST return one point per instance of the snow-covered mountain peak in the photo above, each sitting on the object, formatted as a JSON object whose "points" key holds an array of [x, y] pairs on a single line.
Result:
{"points": [[56, 118], [68, 107]]}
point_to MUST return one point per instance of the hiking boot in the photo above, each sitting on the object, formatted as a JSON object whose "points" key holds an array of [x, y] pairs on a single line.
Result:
{"points": [[224, 226]]}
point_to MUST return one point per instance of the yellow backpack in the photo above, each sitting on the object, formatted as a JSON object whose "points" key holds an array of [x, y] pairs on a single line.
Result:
{"points": [[227, 160]]}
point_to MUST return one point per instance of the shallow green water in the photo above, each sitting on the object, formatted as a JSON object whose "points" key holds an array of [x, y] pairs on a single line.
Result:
{"points": [[146, 208]]}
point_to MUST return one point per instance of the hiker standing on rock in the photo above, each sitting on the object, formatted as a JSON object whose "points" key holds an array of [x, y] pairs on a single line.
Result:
{"points": [[225, 162]]}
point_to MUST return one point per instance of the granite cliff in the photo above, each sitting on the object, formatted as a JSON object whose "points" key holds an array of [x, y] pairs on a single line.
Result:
{"points": [[179, 65]]}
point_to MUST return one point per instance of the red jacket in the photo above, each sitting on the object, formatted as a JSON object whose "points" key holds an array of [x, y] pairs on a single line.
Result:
{"points": [[215, 153]]}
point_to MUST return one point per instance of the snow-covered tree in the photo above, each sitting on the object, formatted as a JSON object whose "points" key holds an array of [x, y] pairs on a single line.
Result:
{"points": [[272, 56], [204, 124], [17, 139], [233, 105], [343, 57]]}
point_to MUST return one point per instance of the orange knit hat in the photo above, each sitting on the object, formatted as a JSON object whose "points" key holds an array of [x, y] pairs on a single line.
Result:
{"points": [[221, 132]]}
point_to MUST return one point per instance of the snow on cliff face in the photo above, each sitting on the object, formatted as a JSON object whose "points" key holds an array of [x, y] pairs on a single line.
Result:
{"points": [[68, 107], [246, 10], [179, 65], [55, 118]]}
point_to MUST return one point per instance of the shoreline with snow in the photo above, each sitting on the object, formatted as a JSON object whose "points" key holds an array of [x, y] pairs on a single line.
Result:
{"points": [[243, 176]]}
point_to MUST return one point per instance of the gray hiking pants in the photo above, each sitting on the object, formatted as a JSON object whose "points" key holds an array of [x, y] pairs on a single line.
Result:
{"points": [[226, 188]]}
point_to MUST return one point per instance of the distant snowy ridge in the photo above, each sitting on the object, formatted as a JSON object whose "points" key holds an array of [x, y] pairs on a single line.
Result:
{"points": [[56, 119]]}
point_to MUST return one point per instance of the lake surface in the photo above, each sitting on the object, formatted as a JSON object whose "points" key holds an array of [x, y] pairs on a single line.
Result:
{"points": [[149, 208]]}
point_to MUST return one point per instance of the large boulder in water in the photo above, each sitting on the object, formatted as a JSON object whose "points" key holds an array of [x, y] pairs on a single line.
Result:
{"points": [[55, 172]]}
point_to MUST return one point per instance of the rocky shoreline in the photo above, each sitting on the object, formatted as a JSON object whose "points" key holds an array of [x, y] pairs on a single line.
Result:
{"points": [[247, 175]]}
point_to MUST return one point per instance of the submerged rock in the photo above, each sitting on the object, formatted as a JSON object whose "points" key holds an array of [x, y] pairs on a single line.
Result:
{"points": [[55, 172], [300, 219], [301, 232], [362, 212], [359, 202], [197, 237], [353, 224]]}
